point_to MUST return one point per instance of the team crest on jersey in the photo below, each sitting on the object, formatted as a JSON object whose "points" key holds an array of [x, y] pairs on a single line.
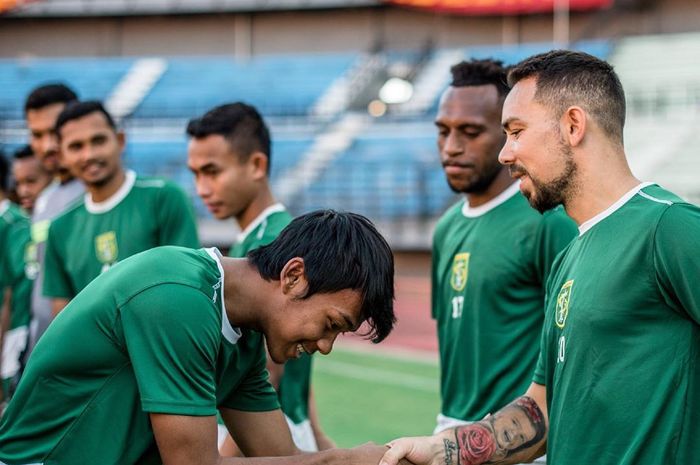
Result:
{"points": [[562, 308], [106, 247], [460, 271]]}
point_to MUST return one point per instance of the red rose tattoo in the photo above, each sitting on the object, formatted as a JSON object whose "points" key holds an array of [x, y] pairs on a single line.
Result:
{"points": [[476, 444]]}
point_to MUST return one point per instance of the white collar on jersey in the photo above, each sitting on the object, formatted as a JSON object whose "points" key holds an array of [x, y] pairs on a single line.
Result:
{"points": [[231, 334], [473, 212], [4, 206], [586, 225], [278, 207], [113, 201]]}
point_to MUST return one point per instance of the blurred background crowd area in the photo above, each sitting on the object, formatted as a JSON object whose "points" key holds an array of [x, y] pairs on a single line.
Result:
{"points": [[349, 88]]}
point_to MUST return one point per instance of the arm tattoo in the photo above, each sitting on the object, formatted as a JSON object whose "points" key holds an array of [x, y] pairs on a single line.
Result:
{"points": [[450, 449], [518, 426]]}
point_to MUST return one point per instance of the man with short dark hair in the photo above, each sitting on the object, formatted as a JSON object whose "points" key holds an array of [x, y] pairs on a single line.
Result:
{"points": [[42, 107], [15, 286], [120, 215], [170, 335], [617, 381], [491, 255], [30, 177], [230, 156]]}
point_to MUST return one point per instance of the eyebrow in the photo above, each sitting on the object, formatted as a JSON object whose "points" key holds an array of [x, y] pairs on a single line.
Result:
{"points": [[506, 124], [462, 126], [350, 324]]}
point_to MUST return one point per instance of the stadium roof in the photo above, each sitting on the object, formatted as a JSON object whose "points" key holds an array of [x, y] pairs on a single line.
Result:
{"points": [[64, 8]]}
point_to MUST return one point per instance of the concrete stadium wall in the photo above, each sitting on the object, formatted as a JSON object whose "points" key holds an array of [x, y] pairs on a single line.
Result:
{"points": [[314, 31]]}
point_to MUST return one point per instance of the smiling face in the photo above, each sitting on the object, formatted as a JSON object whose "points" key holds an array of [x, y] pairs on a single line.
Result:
{"points": [[309, 324], [30, 179], [226, 184], [92, 149], [535, 150], [470, 136]]}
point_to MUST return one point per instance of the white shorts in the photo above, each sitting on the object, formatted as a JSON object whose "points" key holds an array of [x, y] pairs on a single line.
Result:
{"points": [[303, 435], [12, 347]]}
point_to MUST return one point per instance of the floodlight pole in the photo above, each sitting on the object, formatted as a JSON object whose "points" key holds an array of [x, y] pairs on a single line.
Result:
{"points": [[561, 23]]}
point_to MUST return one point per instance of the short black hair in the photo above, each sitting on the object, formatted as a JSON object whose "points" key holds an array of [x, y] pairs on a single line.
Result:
{"points": [[23, 152], [76, 110], [341, 250], [49, 94], [242, 126], [565, 78], [481, 73]]}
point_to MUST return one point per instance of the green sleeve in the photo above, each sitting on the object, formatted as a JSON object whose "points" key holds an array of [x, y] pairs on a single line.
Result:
{"points": [[254, 393], [20, 313], [57, 283], [677, 258], [555, 232], [176, 218], [172, 337]]}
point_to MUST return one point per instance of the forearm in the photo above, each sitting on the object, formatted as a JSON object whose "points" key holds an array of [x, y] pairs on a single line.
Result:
{"points": [[517, 433], [329, 457]]}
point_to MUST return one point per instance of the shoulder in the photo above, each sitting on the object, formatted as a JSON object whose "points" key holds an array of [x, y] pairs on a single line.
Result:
{"points": [[452, 213], [68, 216]]}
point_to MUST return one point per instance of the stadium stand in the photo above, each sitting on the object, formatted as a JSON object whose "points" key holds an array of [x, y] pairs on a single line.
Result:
{"points": [[276, 85], [339, 157]]}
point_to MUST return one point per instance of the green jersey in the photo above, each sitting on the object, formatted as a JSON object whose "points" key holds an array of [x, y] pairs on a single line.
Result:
{"points": [[90, 237], [294, 386], [14, 240], [621, 340], [149, 336], [488, 272]]}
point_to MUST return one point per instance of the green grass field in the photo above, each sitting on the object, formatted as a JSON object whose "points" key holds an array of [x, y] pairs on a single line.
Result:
{"points": [[375, 397]]}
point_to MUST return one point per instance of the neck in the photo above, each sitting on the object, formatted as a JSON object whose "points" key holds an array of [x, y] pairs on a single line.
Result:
{"points": [[244, 293], [598, 185], [64, 176], [500, 183], [263, 200], [105, 191]]}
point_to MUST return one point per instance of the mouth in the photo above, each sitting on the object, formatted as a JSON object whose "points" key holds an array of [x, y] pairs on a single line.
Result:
{"points": [[456, 168]]}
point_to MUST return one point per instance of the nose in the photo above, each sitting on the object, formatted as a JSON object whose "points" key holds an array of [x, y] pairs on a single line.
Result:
{"points": [[49, 143], [202, 186], [452, 146], [505, 157], [325, 345]]}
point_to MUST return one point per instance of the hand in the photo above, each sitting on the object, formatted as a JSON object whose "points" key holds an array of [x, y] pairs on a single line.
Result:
{"points": [[426, 450]]}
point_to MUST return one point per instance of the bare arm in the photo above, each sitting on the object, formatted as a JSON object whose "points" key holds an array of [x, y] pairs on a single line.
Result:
{"points": [[322, 441], [516, 433], [186, 440], [58, 304]]}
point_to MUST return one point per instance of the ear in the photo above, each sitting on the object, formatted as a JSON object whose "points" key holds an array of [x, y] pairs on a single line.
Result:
{"points": [[258, 163], [293, 277], [574, 124], [121, 140]]}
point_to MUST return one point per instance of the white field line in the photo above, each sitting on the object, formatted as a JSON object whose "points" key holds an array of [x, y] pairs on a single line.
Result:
{"points": [[390, 378]]}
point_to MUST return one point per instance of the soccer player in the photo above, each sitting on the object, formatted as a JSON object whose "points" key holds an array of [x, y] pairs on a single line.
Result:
{"points": [[230, 155], [136, 367], [30, 177], [491, 255], [617, 381], [15, 287], [120, 215], [41, 109]]}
